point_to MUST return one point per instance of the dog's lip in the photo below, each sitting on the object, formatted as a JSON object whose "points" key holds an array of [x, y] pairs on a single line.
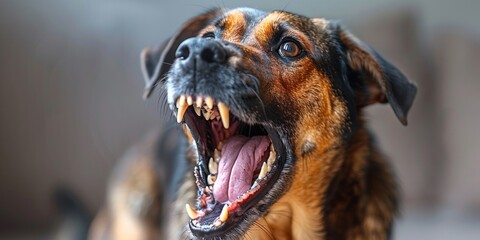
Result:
{"points": [[236, 209]]}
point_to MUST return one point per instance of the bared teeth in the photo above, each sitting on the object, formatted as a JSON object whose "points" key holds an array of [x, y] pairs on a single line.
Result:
{"points": [[209, 102], [197, 111], [206, 115], [211, 179], [199, 102], [263, 171], [181, 112], [192, 213], [224, 214], [224, 114], [212, 166], [203, 106], [271, 159], [189, 100]]}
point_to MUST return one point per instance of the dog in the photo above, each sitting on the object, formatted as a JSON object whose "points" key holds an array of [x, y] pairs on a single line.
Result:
{"points": [[275, 142]]}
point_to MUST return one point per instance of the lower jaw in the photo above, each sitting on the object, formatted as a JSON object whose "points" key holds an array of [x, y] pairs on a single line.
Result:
{"points": [[240, 211]]}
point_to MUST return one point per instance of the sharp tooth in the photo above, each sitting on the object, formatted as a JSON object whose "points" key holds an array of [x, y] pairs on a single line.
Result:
{"points": [[217, 155], [224, 214], [211, 179], [271, 158], [199, 102], [192, 213], [206, 115], [212, 166], [255, 184], [189, 100], [217, 223], [181, 100], [209, 102], [212, 116], [177, 103], [224, 113], [181, 112], [263, 171], [197, 111], [220, 145]]}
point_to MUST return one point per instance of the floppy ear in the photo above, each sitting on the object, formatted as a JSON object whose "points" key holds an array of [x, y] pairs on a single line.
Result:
{"points": [[379, 80], [156, 62]]}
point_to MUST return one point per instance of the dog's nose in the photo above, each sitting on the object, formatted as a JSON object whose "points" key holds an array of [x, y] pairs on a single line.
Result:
{"points": [[201, 50]]}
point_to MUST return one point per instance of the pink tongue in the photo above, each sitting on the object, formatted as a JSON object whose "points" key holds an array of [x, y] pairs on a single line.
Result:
{"points": [[240, 157]]}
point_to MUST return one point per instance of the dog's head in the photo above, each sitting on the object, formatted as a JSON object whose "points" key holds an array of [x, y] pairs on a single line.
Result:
{"points": [[258, 93]]}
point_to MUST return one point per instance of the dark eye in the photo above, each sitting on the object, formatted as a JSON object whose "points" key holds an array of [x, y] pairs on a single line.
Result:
{"points": [[209, 35], [290, 49]]}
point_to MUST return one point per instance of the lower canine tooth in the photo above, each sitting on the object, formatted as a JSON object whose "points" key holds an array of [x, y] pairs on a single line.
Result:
{"points": [[212, 166], [271, 158], [192, 213], [211, 179], [263, 171], [224, 214]]}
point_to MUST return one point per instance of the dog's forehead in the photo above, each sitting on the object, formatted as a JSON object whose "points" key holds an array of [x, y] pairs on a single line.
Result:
{"points": [[237, 24]]}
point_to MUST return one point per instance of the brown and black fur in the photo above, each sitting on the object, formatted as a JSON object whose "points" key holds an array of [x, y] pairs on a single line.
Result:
{"points": [[335, 184]]}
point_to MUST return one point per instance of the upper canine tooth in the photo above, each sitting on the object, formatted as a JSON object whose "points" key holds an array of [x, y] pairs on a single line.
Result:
{"points": [[192, 213], [224, 214], [181, 100], [199, 102], [189, 100], [209, 102], [212, 166], [225, 114], [263, 171], [181, 112]]}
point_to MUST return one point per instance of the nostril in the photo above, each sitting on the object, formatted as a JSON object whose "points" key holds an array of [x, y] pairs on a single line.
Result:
{"points": [[207, 55], [183, 52]]}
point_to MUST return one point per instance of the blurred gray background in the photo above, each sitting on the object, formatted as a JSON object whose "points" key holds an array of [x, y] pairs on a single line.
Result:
{"points": [[71, 87]]}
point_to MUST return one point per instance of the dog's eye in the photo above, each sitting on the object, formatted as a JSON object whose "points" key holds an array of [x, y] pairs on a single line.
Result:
{"points": [[290, 49], [209, 35]]}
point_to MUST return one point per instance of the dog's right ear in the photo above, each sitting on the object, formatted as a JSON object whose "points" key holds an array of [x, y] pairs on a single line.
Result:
{"points": [[156, 62]]}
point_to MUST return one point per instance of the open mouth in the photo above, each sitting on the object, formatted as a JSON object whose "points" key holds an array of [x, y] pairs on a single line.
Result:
{"points": [[237, 163]]}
